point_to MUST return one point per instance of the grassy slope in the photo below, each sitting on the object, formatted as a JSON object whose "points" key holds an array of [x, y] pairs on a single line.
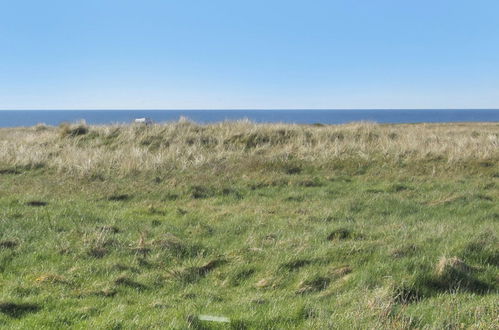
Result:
{"points": [[268, 241]]}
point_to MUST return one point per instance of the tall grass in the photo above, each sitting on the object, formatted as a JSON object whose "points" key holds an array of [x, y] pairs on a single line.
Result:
{"points": [[128, 149]]}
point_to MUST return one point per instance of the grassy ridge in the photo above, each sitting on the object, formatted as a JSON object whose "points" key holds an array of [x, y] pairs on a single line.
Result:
{"points": [[272, 226], [123, 150]]}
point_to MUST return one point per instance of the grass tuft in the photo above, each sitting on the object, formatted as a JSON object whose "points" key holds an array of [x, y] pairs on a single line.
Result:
{"points": [[69, 130], [176, 247], [316, 283], [454, 274]]}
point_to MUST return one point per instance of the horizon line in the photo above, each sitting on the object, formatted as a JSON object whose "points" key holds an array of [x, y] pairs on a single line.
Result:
{"points": [[235, 109]]}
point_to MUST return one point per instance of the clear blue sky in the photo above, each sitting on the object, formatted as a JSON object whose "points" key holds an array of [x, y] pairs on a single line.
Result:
{"points": [[184, 54]]}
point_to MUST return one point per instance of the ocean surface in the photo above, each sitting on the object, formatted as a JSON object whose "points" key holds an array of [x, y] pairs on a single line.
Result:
{"points": [[13, 118]]}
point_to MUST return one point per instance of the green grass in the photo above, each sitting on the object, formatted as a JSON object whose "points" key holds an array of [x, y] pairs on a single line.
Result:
{"points": [[349, 243]]}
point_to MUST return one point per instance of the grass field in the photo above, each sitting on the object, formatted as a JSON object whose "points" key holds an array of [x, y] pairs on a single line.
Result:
{"points": [[270, 226]]}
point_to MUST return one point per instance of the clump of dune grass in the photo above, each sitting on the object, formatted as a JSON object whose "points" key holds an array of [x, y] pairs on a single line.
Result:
{"points": [[40, 127], [447, 267], [71, 130], [454, 274]]}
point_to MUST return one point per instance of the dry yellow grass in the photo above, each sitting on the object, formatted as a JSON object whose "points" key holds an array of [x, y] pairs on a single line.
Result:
{"points": [[128, 149]]}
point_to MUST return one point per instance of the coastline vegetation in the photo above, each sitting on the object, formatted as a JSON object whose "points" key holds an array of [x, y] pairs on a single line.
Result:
{"points": [[179, 225]]}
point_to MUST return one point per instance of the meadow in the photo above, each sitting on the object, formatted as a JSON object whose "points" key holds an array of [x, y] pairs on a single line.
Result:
{"points": [[238, 225]]}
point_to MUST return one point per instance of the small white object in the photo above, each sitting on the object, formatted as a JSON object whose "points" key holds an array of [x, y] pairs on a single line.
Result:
{"points": [[146, 121], [213, 318]]}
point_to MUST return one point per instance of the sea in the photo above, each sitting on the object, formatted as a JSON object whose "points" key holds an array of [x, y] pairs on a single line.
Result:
{"points": [[15, 118]]}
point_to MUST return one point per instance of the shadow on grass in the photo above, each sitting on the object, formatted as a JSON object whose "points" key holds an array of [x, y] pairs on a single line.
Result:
{"points": [[295, 264], [6, 171], [452, 275], [17, 310], [36, 203], [8, 244], [118, 197], [128, 282], [194, 273]]}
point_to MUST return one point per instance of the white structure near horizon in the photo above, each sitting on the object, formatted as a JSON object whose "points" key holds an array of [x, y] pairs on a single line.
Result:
{"points": [[145, 121]]}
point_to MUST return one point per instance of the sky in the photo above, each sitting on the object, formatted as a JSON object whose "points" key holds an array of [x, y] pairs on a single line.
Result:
{"points": [[271, 54]]}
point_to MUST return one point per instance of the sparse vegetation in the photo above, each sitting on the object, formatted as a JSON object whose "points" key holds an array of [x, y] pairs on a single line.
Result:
{"points": [[268, 226]]}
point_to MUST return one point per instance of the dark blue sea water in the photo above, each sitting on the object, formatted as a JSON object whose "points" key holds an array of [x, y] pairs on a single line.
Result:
{"points": [[12, 118]]}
